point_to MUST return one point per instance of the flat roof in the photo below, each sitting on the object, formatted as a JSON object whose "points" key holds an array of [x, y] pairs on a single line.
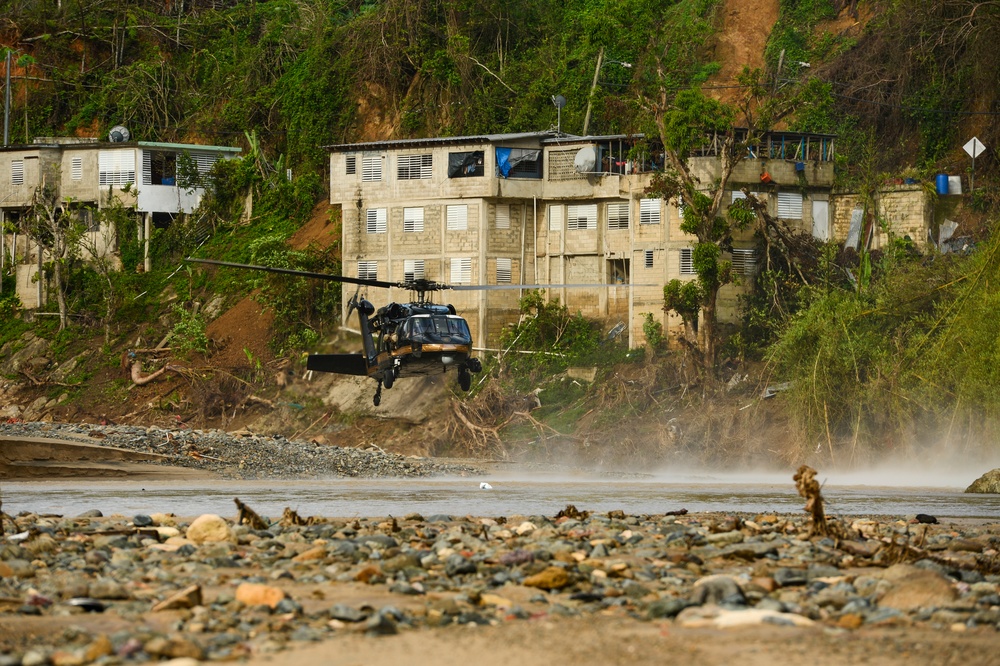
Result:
{"points": [[440, 141], [125, 144]]}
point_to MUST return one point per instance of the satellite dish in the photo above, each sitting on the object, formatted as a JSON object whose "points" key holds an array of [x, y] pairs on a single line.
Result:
{"points": [[585, 160], [118, 134], [559, 101]]}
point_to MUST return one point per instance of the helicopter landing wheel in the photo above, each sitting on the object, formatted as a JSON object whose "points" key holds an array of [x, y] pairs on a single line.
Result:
{"points": [[389, 378], [464, 379], [378, 395]]}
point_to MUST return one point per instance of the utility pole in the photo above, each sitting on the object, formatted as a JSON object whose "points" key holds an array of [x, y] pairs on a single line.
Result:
{"points": [[593, 87], [6, 106]]}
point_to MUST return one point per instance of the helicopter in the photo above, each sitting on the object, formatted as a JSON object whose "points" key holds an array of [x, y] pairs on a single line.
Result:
{"points": [[400, 339]]}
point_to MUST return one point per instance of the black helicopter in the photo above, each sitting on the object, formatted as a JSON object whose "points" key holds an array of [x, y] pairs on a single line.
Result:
{"points": [[401, 339]]}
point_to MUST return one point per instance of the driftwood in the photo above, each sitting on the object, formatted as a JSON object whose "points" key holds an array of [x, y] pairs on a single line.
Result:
{"points": [[246, 515], [808, 487]]}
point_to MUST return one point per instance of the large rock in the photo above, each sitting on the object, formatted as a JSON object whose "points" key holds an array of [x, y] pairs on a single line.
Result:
{"points": [[914, 588], [255, 594], [552, 578], [209, 528], [987, 483]]}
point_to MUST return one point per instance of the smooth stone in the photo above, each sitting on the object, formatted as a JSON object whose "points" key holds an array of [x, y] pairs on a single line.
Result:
{"points": [[551, 578], [256, 594], [209, 528]]}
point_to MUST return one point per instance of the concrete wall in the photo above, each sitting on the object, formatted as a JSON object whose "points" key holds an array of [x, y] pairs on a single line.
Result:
{"points": [[906, 210]]}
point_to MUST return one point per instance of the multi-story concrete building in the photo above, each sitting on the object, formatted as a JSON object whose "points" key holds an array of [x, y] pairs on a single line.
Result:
{"points": [[83, 174], [541, 208]]}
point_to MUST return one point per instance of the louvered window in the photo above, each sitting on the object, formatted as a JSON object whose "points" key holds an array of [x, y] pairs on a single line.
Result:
{"points": [[376, 220], [789, 205], [368, 270], [555, 217], [351, 163], [744, 261], [504, 266], [204, 163], [648, 257], [649, 211], [371, 168], [17, 172], [461, 270], [413, 220], [413, 269], [581, 217], [414, 167], [458, 217], [116, 167], [687, 261], [618, 215], [503, 216], [76, 168]]}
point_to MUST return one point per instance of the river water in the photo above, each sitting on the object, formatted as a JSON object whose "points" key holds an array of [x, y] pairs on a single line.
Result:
{"points": [[511, 494]]}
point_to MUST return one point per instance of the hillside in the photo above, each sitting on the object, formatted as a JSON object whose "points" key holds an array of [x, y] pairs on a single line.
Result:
{"points": [[904, 84]]}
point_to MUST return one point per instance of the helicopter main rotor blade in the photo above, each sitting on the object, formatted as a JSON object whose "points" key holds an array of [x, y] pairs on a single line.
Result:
{"points": [[291, 271], [505, 287]]}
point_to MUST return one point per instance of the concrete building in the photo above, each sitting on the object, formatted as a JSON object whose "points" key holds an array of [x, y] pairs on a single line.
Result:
{"points": [[84, 174], [540, 208]]}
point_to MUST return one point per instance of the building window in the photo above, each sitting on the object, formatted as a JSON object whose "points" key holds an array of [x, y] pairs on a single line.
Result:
{"points": [[555, 217], [789, 205], [414, 167], [376, 220], [159, 168], [116, 167], [581, 217], [413, 269], [413, 220], [504, 267], [618, 215], [461, 270], [648, 258], [649, 211], [737, 195], [466, 165], [687, 261], [519, 163], [503, 216], [368, 270], [744, 261], [618, 270], [371, 168], [76, 168], [458, 217], [351, 165], [17, 172]]}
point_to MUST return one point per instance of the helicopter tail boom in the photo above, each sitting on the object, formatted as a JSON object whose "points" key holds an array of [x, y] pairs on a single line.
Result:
{"points": [[341, 364]]}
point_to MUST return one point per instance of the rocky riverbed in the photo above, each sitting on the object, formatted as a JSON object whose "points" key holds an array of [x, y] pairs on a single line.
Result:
{"points": [[243, 455], [93, 589]]}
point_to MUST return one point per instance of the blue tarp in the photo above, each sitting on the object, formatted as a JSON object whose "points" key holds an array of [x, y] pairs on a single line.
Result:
{"points": [[503, 161]]}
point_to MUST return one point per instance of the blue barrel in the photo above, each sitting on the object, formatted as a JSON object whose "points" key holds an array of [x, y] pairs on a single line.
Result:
{"points": [[942, 184]]}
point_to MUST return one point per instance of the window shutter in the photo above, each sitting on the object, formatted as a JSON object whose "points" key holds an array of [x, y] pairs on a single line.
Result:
{"points": [[555, 217], [413, 220], [648, 256], [368, 270], [76, 168], [414, 167], [744, 261], [458, 217], [376, 220], [649, 211], [737, 195], [147, 168], [687, 261], [371, 168], [351, 163], [789, 205], [618, 215], [461, 270], [504, 266], [503, 216], [17, 172], [413, 269], [581, 216]]}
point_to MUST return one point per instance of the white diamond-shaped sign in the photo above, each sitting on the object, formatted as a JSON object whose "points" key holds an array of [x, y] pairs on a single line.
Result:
{"points": [[974, 147]]}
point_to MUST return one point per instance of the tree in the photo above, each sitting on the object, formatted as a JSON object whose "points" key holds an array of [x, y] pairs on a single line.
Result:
{"points": [[686, 123], [57, 232]]}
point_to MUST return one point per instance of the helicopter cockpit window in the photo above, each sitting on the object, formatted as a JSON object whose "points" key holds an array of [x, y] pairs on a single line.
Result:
{"points": [[436, 329]]}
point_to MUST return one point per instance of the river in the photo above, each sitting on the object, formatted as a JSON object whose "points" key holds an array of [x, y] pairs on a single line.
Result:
{"points": [[511, 494]]}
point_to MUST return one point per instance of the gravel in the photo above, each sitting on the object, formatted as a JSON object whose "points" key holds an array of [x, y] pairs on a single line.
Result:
{"points": [[244, 457]]}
